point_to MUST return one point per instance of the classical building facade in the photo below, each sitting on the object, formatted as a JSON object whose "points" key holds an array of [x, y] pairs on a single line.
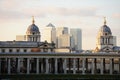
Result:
{"points": [[59, 63], [31, 42], [36, 57]]}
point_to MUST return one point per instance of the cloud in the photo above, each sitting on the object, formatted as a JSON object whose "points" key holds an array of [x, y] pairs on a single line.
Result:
{"points": [[10, 4], [18, 9], [116, 15], [10, 9], [61, 11]]}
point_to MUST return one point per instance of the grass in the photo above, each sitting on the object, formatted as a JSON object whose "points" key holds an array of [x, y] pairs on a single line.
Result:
{"points": [[58, 77]]}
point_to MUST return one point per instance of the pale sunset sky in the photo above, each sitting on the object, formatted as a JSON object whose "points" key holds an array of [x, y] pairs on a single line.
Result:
{"points": [[15, 17]]}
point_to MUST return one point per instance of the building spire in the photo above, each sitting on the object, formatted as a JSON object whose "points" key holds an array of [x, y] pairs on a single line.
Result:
{"points": [[33, 21], [104, 20]]}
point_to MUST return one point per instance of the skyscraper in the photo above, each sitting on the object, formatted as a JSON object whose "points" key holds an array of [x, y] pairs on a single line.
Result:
{"points": [[64, 41], [49, 33], [76, 38], [60, 33]]}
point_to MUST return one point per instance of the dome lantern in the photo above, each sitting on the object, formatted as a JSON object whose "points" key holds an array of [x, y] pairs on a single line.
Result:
{"points": [[104, 20], [33, 21], [32, 28]]}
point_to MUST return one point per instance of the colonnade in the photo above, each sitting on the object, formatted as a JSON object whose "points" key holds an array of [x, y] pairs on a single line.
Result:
{"points": [[50, 65]]}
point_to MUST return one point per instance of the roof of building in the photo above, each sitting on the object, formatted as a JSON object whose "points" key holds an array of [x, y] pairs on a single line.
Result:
{"points": [[4, 44], [50, 25], [105, 29], [116, 48], [33, 27]]}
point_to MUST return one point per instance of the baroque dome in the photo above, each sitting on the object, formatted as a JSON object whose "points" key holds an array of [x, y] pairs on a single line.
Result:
{"points": [[104, 30], [32, 28]]}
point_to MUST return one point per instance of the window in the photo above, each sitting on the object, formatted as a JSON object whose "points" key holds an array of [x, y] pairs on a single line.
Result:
{"points": [[51, 50], [33, 33], [18, 50], [10, 50], [106, 34], [25, 50], [3, 50]]}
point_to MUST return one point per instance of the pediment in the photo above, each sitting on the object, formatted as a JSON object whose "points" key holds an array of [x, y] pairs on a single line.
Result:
{"points": [[107, 48]]}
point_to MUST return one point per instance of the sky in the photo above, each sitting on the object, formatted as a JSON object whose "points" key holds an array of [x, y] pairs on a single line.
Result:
{"points": [[16, 16]]}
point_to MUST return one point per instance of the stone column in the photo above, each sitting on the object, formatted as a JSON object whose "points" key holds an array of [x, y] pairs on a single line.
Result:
{"points": [[101, 64], [37, 65], [74, 66], [119, 65], [9, 66], [64, 66], [93, 65], [50, 65], [47, 66], [111, 65], [83, 65], [56, 66], [0, 65], [42, 65], [18, 66], [28, 65]]}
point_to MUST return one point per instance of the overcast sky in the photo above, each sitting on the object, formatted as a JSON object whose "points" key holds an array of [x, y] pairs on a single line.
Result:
{"points": [[15, 17]]}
